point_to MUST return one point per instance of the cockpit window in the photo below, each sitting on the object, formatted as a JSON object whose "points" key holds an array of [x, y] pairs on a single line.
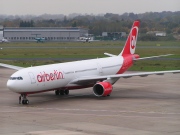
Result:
{"points": [[16, 78]]}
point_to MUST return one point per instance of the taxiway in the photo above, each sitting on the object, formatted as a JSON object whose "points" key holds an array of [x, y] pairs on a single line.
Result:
{"points": [[138, 105]]}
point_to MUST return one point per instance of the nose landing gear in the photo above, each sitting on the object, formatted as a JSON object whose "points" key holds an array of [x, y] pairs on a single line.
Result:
{"points": [[25, 101]]}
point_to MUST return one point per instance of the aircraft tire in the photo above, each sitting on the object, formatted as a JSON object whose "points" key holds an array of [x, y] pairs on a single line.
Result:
{"points": [[27, 102], [23, 102], [66, 92], [61, 92], [57, 92]]}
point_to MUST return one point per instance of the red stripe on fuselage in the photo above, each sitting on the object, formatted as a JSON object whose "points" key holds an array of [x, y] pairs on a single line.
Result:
{"points": [[127, 63]]}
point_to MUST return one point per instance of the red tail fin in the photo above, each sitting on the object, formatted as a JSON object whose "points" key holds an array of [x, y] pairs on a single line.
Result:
{"points": [[130, 45]]}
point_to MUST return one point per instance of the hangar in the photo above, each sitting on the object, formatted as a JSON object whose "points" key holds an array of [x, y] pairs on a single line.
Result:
{"points": [[50, 34]]}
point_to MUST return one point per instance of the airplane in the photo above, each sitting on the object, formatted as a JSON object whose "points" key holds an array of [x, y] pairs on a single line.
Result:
{"points": [[4, 40], [41, 40], [100, 73]]}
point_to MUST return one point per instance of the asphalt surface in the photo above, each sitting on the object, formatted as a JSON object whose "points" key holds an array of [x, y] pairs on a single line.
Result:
{"points": [[138, 106]]}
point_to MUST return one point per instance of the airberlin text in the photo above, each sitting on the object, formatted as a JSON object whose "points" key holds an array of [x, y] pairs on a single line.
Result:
{"points": [[44, 77]]}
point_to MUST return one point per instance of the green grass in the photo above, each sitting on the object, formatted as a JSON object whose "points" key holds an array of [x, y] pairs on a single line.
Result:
{"points": [[157, 48], [102, 43], [156, 65]]}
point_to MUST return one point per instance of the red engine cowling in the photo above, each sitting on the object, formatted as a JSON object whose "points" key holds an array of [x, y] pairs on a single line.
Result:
{"points": [[102, 89]]}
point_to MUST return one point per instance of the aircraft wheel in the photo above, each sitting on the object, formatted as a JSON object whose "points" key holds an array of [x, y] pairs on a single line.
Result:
{"points": [[27, 102], [57, 92], [61, 92], [66, 92], [23, 102]]}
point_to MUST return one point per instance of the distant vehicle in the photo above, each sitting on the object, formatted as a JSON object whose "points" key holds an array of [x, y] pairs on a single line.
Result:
{"points": [[4, 40], [40, 39], [86, 39], [100, 74]]}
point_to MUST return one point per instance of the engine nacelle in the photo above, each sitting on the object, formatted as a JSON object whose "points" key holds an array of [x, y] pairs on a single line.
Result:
{"points": [[102, 89]]}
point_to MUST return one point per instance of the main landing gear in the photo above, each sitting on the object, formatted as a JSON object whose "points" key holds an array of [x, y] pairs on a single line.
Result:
{"points": [[62, 92], [25, 101]]}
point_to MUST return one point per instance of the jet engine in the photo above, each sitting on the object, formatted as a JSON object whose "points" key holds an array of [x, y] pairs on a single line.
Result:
{"points": [[102, 89]]}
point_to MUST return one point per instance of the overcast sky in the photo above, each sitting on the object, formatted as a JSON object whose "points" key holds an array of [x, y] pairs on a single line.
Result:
{"points": [[37, 7]]}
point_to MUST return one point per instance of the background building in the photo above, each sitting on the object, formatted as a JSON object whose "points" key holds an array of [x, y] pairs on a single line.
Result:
{"points": [[157, 33], [113, 35], [50, 34], [1, 32]]}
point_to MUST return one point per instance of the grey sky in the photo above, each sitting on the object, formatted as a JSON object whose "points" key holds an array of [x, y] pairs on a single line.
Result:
{"points": [[37, 7]]}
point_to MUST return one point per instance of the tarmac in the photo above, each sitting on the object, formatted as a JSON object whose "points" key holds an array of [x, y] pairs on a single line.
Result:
{"points": [[137, 106]]}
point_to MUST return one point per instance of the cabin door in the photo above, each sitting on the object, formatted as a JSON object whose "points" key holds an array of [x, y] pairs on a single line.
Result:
{"points": [[99, 69], [32, 77]]}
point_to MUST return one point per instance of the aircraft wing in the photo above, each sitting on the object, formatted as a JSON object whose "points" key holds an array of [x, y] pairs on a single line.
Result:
{"points": [[93, 79], [11, 66]]}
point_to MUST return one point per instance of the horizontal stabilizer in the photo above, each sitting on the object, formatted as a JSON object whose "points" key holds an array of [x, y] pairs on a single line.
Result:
{"points": [[108, 54], [153, 57]]}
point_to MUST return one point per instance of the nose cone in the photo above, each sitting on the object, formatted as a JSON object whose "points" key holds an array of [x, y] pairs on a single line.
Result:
{"points": [[11, 84]]}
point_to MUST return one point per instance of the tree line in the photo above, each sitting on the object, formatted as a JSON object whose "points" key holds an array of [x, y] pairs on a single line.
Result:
{"points": [[26, 23], [109, 22]]}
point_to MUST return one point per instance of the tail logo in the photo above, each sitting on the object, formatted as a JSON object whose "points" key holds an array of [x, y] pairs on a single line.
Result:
{"points": [[130, 45], [133, 42], [133, 39]]}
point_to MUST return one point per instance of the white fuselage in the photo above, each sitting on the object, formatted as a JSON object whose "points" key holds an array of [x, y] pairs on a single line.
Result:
{"points": [[60, 76]]}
